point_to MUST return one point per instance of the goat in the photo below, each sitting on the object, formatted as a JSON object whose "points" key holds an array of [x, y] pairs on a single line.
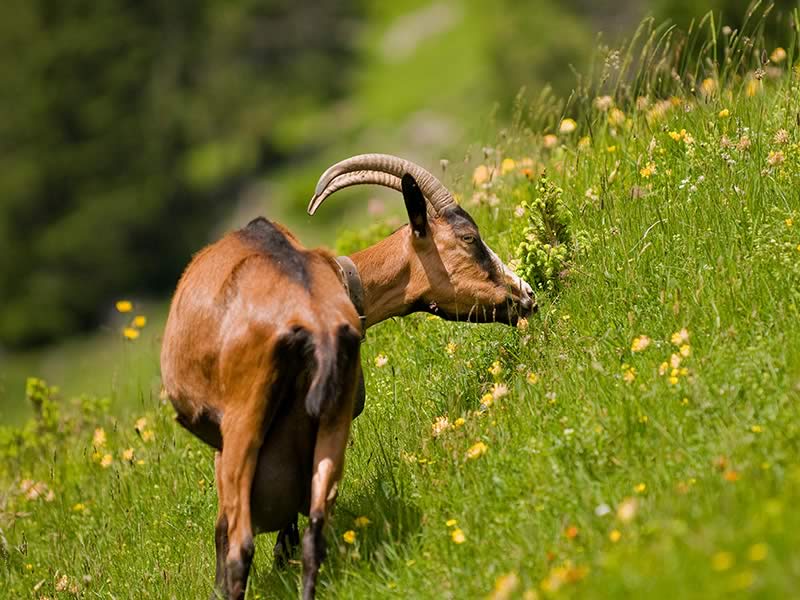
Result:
{"points": [[261, 351]]}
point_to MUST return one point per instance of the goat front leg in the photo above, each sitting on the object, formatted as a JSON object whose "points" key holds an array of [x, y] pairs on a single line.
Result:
{"points": [[328, 465]]}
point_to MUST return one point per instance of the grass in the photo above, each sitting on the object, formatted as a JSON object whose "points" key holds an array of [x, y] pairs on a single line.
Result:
{"points": [[600, 473]]}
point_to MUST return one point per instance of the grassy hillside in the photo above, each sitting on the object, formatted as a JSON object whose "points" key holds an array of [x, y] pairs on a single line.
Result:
{"points": [[638, 438]]}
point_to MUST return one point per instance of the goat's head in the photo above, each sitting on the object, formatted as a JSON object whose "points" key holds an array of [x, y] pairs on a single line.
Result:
{"points": [[461, 278]]}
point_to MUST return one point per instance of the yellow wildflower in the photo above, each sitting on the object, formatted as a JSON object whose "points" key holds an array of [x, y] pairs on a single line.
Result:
{"points": [[450, 348], [504, 587], [673, 380], [640, 488], [362, 522], [675, 136], [611, 149], [481, 174], [756, 429], [789, 222], [381, 360], [458, 422], [708, 86], [124, 306], [476, 450], [724, 113], [778, 55], [616, 117], [568, 126], [629, 374], [507, 166], [349, 536], [681, 337], [663, 368], [148, 435], [106, 461], [487, 400], [757, 552], [140, 424], [532, 378], [458, 536], [685, 350], [722, 561], [648, 170], [129, 333], [584, 142], [615, 535], [127, 455], [139, 321], [522, 324], [79, 507], [495, 369], [753, 87], [451, 522], [99, 438], [640, 343]]}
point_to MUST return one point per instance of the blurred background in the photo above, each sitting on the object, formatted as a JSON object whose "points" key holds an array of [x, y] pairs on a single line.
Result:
{"points": [[134, 132]]}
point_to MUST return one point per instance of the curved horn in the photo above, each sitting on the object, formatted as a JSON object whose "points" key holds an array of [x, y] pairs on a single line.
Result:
{"points": [[439, 198], [356, 178]]}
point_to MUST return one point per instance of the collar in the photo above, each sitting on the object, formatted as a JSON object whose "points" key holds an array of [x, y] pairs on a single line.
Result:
{"points": [[354, 288]]}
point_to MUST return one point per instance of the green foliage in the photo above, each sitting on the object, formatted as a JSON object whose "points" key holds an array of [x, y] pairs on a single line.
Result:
{"points": [[548, 246], [350, 241]]}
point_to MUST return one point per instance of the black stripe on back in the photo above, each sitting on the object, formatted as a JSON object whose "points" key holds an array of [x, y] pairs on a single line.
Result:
{"points": [[270, 241]]}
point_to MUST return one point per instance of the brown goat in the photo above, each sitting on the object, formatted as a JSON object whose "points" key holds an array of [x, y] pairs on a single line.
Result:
{"points": [[261, 353]]}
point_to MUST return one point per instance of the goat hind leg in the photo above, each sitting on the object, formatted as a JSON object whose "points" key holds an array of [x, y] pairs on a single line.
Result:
{"points": [[328, 465], [220, 537], [288, 540]]}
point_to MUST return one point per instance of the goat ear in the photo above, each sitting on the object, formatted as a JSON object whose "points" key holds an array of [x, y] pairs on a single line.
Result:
{"points": [[415, 206]]}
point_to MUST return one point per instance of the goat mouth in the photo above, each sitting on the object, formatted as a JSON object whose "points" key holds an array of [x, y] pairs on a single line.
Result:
{"points": [[507, 313]]}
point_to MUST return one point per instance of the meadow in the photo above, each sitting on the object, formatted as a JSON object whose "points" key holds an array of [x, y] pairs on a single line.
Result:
{"points": [[638, 436]]}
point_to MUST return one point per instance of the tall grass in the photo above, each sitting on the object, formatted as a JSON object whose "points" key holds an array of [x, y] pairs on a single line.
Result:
{"points": [[638, 438]]}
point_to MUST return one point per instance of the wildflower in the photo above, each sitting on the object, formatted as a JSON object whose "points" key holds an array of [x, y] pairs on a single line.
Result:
{"points": [[601, 510], [139, 321], [584, 142], [381, 360], [440, 425], [487, 400], [675, 361], [349, 536], [731, 476], [724, 113], [629, 374], [451, 522], [757, 552], [679, 338], [722, 561], [458, 536], [616, 117], [504, 586], [106, 461], [778, 55], [129, 333], [685, 402], [148, 436], [62, 583], [124, 306], [611, 149], [648, 170], [626, 510], [708, 86], [640, 343], [127, 455], [99, 438], [550, 141], [450, 348], [685, 350], [458, 422], [499, 390], [140, 462], [522, 324], [79, 507], [644, 419], [568, 126], [663, 368], [362, 522], [28, 567], [477, 450], [781, 137], [753, 87], [775, 158], [742, 580], [495, 369], [571, 532], [603, 103], [756, 429], [640, 488], [743, 143], [532, 378], [140, 424], [507, 166], [481, 175], [615, 536], [675, 136], [789, 222]]}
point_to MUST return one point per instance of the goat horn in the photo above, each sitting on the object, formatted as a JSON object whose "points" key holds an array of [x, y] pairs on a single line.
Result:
{"points": [[439, 197], [355, 178]]}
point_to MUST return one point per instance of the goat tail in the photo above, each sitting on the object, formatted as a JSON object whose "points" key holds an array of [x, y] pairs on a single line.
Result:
{"points": [[336, 360]]}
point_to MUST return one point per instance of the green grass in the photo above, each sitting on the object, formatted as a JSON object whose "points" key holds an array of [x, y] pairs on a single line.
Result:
{"points": [[600, 478]]}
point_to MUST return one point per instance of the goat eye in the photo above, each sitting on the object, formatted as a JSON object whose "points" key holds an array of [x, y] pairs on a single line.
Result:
{"points": [[468, 239]]}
